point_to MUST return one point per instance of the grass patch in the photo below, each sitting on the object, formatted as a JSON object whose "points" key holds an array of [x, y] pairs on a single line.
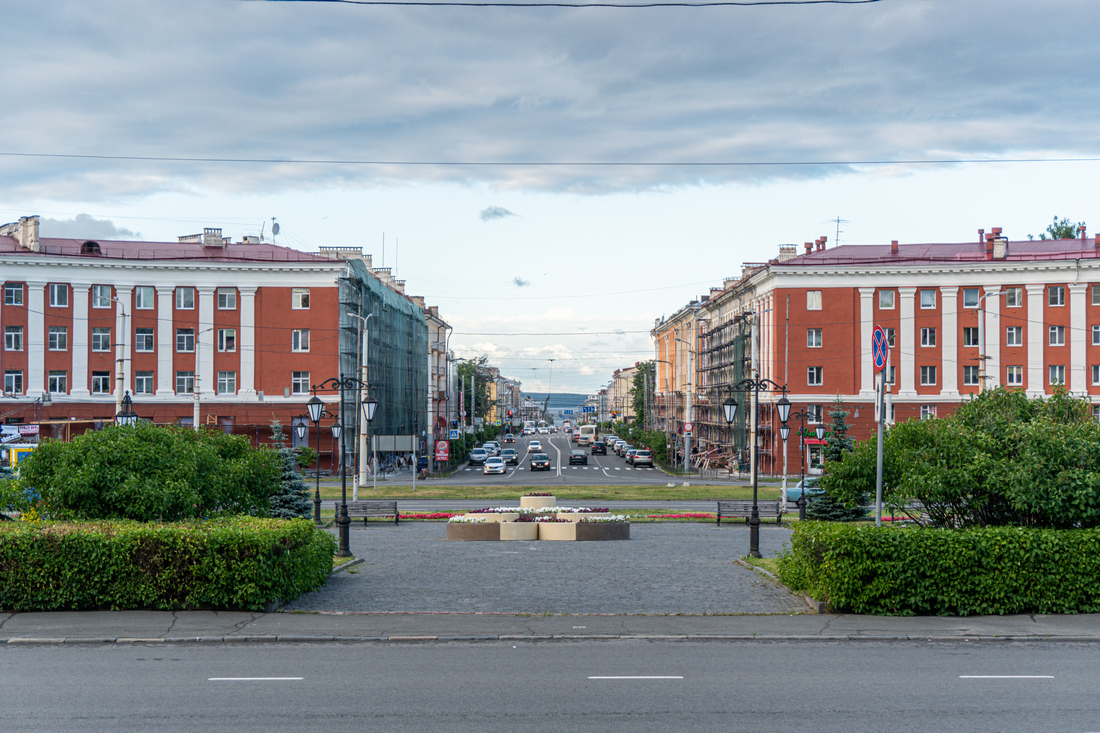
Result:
{"points": [[771, 564]]}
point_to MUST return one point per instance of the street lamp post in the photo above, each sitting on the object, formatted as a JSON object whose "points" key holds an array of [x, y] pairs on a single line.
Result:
{"points": [[801, 416], [126, 416], [344, 383], [317, 411], [729, 407]]}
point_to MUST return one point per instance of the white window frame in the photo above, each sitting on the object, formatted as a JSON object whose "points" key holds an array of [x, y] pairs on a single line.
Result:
{"points": [[970, 375], [1096, 335], [13, 381], [928, 336], [99, 333], [227, 339], [1056, 296], [1014, 336], [145, 340], [814, 414], [1014, 376], [813, 300], [59, 295], [227, 383], [186, 380], [13, 338], [928, 376], [299, 339], [57, 382], [1014, 297], [1096, 294], [101, 296], [970, 336], [185, 298], [927, 299], [227, 299], [145, 297], [813, 338], [927, 412], [144, 383], [815, 376], [299, 382], [299, 299], [1095, 374], [1056, 335], [57, 338], [886, 300], [101, 383], [890, 337], [13, 294], [185, 340], [971, 297], [1056, 374]]}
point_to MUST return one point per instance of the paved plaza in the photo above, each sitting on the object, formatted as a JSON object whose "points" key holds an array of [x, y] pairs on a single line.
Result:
{"points": [[665, 568]]}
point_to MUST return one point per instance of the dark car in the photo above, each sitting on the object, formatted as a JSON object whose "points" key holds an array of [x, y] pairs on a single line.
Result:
{"points": [[509, 456], [540, 462], [599, 447], [578, 456]]}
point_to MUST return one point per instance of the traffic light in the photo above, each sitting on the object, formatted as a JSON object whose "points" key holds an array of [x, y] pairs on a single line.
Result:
{"points": [[509, 413]]}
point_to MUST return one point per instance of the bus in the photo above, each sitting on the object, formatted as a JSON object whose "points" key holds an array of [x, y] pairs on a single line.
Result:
{"points": [[586, 435]]}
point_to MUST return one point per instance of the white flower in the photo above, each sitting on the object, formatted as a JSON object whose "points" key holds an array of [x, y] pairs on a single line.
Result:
{"points": [[467, 519], [608, 518]]}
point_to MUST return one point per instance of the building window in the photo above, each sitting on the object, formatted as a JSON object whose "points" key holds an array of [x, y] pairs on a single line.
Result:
{"points": [[13, 338], [970, 336], [813, 300], [101, 383], [813, 338], [185, 340], [970, 375], [890, 337], [928, 337], [299, 299], [1096, 412], [13, 294], [1096, 335], [227, 299], [813, 414], [58, 382], [144, 340], [185, 299], [59, 295], [928, 375], [1096, 294], [145, 297], [1057, 373], [1014, 376], [143, 383], [299, 339], [927, 412], [970, 298], [1014, 336], [185, 382], [1056, 295], [13, 381], [101, 339], [101, 296], [58, 339], [227, 339], [1057, 335], [928, 298], [1095, 374], [299, 383], [1014, 297], [815, 376], [886, 299], [227, 383]]}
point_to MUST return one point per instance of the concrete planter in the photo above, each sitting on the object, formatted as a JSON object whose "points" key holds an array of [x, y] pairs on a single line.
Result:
{"points": [[597, 531], [557, 531], [499, 516], [518, 530], [537, 502], [475, 532], [578, 516]]}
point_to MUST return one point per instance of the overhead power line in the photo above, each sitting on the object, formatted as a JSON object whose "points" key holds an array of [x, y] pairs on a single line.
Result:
{"points": [[628, 6]]}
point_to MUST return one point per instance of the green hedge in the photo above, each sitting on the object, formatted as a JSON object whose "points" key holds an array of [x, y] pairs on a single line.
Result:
{"points": [[238, 563], [910, 571]]}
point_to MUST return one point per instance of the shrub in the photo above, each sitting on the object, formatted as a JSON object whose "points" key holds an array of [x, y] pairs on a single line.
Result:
{"points": [[228, 563], [148, 473], [914, 571]]}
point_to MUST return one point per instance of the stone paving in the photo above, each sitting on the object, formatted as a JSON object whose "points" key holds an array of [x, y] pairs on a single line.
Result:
{"points": [[665, 568]]}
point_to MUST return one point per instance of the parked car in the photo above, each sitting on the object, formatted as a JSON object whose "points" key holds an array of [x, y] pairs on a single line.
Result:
{"points": [[642, 458], [629, 455], [599, 447], [509, 456], [478, 456], [621, 448], [540, 462], [793, 492], [535, 447], [494, 465], [617, 446], [578, 456], [509, 438], [610, 439]]}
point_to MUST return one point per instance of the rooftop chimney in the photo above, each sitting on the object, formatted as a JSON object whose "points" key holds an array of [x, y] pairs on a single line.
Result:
{"points": [[212, 237], [787, 252], [809, 247], [28, 233], [981, 236], [250, 239], [893, 246], [1083, 234], [418, 299]]}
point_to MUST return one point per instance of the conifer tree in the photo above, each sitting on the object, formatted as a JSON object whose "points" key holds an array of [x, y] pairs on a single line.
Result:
{"points": [[291, 499], [837, 443]]}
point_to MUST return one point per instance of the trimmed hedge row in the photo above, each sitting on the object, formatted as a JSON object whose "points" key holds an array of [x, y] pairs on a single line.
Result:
{"points": [[906, 571], [239, 563]]}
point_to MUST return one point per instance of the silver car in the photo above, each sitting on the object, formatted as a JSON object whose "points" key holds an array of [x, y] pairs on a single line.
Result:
{"points": [[494, 465]]}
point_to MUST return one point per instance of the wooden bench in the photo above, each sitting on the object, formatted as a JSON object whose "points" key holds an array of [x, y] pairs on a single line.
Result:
{"points": [[742, 508], [367, 509]]}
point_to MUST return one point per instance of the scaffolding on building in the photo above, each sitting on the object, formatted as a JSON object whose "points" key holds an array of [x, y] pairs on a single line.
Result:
{"points": [[725, 358]]}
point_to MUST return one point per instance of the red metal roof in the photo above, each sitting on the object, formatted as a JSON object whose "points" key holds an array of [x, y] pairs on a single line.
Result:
{"points": [[878, 254], [129, 250]]}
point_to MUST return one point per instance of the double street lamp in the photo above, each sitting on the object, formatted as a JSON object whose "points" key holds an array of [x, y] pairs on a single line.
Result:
{"points": [[801, 416], [344, 383], [729, 407], [317, 411]]}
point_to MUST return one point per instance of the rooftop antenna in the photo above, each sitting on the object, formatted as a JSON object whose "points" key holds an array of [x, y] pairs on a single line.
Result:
{"points": [[274, 229], [838, 221], [262, 225]]}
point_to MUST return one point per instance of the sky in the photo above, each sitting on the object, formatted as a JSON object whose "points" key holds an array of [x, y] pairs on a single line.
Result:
{"points": [[554, 179]]}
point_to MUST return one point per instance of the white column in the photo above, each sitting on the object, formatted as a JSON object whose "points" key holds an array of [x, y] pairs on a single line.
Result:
{"points": [[246, 343], [1036, 332], [866, 332], [204, 342], [991, 336], [166, 341], [79, 342], [949, 342], [906, 340], [1077, 368], [36, 339], [123, 312]]}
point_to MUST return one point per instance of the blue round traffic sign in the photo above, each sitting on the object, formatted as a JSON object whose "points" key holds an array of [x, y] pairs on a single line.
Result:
{"points": [[879, 348]]}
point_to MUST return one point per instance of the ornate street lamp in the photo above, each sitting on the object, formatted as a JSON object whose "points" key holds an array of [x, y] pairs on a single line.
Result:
{"points": [[368, 406], [801, 416], [126, 416], [729, 407], [316, 409]]}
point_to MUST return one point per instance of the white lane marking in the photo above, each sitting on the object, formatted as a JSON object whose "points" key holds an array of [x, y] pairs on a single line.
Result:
{"points": [[639, 677], [253, 679], [1005, 676]]}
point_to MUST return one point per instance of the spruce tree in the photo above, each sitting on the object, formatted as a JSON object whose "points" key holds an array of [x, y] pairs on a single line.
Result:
{"points": [[838, 442], [291, 499]]}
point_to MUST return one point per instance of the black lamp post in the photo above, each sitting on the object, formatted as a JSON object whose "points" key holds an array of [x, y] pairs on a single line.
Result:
{"points": [[126, 415], [801, 416], [316, 412], [729, 407], [343, 383]]}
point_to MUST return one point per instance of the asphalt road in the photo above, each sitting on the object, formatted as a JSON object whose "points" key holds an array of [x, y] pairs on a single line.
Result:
{"points": [[513, 685]]}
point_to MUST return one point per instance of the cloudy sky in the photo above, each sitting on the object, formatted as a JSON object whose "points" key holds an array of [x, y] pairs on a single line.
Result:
{"points": [[555, 179]]}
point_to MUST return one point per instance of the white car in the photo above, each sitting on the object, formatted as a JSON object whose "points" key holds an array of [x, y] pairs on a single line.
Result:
{"points": [[494, 465], [535, 447]]}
